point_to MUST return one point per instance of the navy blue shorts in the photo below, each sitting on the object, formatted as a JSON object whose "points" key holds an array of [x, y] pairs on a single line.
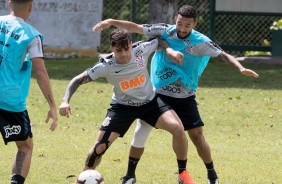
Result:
{"points": [[14, 126], [186, 109], [120, 117]]}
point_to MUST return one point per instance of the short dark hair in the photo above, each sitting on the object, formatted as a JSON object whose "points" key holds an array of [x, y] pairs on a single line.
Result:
{"points": [[20, 1], [119, 38], [188, 11]]}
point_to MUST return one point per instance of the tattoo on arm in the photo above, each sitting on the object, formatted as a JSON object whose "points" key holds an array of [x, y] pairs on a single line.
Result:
{"points": [[50, 99], [163, 44], [74, 84], [17, 169]]}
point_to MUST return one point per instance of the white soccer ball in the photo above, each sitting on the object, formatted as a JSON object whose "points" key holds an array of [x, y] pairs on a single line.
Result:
{"points": [[90, 177]]}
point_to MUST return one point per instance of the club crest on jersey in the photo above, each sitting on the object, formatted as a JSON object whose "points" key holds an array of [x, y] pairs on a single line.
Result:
{"points": [[140, 62], [138, 53], [189, 49], [14, 130], [187, 42]]}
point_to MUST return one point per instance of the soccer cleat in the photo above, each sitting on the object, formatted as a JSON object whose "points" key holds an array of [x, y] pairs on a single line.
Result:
{"points": [[185, 178], [213, 181], [128, 180]]}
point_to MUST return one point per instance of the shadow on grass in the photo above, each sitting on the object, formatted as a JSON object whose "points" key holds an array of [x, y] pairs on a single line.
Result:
{"points": [[217, 74]]}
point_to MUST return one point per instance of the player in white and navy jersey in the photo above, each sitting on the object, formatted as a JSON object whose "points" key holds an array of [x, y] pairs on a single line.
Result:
{"points": [[133, 97], [176, 77]]}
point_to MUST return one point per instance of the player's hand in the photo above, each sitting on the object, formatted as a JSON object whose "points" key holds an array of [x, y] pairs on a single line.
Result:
{"points": [[249, 72], [52, 114], [65, 109], [175, 56], [102, 25]]}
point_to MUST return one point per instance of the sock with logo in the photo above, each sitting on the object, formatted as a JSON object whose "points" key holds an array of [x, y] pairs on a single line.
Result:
{"points": [[181, 165], [132, 164], [17, 179], [211, 172]]}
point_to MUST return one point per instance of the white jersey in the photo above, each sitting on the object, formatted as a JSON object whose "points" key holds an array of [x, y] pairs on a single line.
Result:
{"points": [[131, 82]]}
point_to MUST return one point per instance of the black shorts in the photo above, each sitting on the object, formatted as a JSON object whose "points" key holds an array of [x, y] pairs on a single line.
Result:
{"points": [[120, 117], [186, 109], [14, 126]]}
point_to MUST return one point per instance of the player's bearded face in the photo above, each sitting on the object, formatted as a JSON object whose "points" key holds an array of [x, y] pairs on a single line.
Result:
{"points": [[122, 54], [184, 26]]}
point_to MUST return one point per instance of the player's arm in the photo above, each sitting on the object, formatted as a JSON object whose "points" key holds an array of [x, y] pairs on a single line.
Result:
{"points": [[35, 51], [175, 56], [129, 26], [82, 78], [45, 86], [227, 58]]}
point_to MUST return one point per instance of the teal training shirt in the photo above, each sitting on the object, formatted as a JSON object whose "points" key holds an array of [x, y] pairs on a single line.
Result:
{"points": [[165, 72], [15, 65]]}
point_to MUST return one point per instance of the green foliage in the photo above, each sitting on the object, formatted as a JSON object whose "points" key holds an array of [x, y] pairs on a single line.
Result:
{"points": [[122, 10], [276, 25], [242, 118]]}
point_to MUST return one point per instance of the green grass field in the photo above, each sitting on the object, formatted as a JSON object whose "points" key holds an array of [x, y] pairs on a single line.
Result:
{"points": [[242, 118]]}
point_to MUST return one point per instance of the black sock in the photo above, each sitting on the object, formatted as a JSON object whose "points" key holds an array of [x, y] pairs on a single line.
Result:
{"points": [[17, 179], [211, 172], [181, 165], [132, 164]]}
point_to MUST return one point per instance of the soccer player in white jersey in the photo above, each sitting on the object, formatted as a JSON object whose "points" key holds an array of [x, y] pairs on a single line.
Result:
{"points": [[20, 51], [133, 97], [177, 83]]}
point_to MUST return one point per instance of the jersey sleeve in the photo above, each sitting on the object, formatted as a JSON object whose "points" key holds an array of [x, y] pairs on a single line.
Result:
{"points": [[150, 46], [206, 49], [98, 70], [35, 48], [152, 30]]}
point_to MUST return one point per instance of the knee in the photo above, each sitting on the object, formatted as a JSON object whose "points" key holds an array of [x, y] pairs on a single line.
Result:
{"points": [[197, 138], [26, 146], [98, 149], [178, 130]]}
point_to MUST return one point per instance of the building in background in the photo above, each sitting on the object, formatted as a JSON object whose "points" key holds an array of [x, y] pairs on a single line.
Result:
{"points": [[66, 26]]}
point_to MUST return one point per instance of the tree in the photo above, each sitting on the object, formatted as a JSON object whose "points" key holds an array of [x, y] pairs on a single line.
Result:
{"points": [[162, 11]]}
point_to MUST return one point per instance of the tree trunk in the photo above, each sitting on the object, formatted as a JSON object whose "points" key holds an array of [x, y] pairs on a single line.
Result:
{"points": [[162, 11]]}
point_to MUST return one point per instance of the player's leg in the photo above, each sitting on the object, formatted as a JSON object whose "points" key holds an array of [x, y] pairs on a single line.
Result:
{"points": [[103, 142], [22, 161], [194, 125], [141, 134], [116, 123], [170, 121], [203, 149], [15, 127]]}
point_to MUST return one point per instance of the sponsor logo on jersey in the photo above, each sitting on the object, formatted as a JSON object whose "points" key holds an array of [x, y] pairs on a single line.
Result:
{"points": [[9, 33], [14, 130], [131, 103], [172, 89], [147, 25], [166, 73], [3, 56], [213, 45], [140, 62], [4, 44], [133, 83], [92, 70], [118, 71]]}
